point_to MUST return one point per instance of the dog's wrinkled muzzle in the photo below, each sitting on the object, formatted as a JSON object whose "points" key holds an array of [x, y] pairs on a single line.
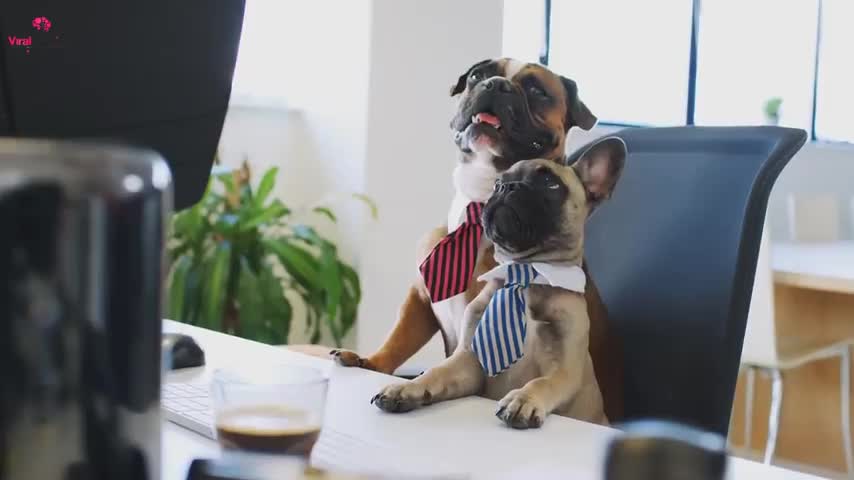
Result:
{"points": [[514, 217]]}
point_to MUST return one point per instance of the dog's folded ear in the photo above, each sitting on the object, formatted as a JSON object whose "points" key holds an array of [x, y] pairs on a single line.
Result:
{"points": [[599, 166], [577, 113], [461, 82]]}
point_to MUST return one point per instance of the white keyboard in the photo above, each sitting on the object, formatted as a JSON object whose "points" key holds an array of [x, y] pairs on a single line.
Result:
{"points": [[189, 405]]}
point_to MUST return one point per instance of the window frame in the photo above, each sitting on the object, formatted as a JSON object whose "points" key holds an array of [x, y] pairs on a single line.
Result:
{"points": [[692, 68]]}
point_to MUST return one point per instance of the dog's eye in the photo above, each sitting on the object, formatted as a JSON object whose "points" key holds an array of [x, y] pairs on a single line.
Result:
{"points": [[554, 185], [536, 91], [497, 185], [475, 76]]}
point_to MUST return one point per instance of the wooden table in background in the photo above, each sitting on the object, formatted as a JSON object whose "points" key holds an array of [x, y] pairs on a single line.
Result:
{"points": [[814, 298]]}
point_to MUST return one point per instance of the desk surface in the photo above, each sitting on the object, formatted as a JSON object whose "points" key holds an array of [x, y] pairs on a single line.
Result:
{"points": [[462, 435], [818, 266]]}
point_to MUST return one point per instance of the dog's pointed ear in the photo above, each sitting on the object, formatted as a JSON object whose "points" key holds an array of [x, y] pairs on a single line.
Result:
{"points": [[461, 82], [599, 166], [577, 113]]}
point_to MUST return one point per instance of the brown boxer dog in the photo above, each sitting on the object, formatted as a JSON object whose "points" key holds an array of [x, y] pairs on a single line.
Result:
{"points": [[507, 111]]}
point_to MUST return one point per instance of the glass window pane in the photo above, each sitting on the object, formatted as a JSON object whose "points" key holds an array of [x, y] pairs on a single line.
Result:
{"points": [[835, 103], [750, 52], [524, 27], [629, 57]]}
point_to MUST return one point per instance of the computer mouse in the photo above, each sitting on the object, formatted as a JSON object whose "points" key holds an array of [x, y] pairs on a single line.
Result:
{"points": [[184, 351]]}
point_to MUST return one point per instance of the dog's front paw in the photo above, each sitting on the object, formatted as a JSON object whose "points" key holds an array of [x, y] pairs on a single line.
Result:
{"points": [[346, 358], [402, 397], [519, 410]]}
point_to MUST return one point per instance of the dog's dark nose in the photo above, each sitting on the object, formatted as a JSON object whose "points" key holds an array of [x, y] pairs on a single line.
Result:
{"points": [[507, 187], [501, 84]]}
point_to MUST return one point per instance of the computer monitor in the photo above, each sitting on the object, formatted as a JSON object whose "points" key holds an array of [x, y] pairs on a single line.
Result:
{"points": [[154, 73]]}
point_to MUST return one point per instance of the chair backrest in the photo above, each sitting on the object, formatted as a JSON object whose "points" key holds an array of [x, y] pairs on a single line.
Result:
{"points": [[760, 335], [673, 254]]}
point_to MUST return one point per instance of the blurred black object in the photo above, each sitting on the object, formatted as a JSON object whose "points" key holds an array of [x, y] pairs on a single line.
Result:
{"points": [[237, 467], [247, 466], [661, 450], [182, 351], [155, 74], [81, 263]]}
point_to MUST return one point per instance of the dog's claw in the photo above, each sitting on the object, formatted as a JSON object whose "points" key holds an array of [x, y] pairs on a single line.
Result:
{"points": [[535, 421], [375, 398], [500, 412]]}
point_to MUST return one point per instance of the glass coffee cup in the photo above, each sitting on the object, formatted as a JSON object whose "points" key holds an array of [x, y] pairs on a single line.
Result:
{"points": [[276, 410]]}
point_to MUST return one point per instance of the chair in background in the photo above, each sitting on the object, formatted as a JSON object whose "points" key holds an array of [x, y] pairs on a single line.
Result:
{"points": [[674, 253], [766, 351], [813, 217]]}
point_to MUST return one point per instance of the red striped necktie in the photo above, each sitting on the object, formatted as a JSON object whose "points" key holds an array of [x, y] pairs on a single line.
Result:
{"points": [[448, 269]]}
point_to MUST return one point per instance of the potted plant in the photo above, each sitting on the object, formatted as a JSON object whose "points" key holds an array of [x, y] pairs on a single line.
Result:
{"points": [[772, 110], [235, 254]]}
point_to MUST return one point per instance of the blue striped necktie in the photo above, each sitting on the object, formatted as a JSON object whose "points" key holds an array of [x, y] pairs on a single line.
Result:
{"points": [[500, 335]]}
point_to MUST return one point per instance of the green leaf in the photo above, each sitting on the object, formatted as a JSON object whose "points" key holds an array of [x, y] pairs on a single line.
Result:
{"points": [[266, 186], [299, 263], [310, 236], [250, 303], [331, 276], [193, 292], [226, 224], [369, 202], [227, 180], [178, 289], [351, 281], [178, 250], [326, 212], [350, 298], [215, 287], [275, 211], [277, 308]]}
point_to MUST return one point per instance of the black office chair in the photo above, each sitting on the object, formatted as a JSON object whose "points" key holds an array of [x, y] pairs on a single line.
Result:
{"points": [[673, 254]]}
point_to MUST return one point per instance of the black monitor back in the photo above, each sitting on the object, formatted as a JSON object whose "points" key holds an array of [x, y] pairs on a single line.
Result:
{"points": [[155, 74]]}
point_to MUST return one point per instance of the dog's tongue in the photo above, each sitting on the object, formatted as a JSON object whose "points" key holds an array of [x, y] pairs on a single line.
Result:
{"points": [[488, 118]]}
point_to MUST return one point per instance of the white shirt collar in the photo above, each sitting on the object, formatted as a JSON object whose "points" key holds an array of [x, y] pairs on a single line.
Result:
{"points": [[568, 277], [457, 212], [473, 182]]}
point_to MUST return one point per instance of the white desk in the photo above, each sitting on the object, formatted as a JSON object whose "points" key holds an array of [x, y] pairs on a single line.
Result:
{"points": [[818, 266], [463, 434]]}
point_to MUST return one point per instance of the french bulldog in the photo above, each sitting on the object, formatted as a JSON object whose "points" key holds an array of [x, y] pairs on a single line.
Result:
{"points": [[524, 338], [507, 111]]}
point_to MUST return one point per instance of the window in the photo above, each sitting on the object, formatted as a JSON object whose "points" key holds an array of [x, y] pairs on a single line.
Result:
{"points": [[835, 100], [630, 59], [704, 62], [750, 52]]}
